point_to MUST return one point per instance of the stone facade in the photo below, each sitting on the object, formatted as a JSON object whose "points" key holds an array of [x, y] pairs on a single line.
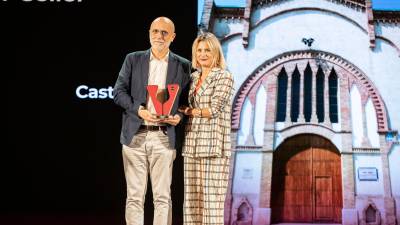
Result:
{"points": [[349, 39]]}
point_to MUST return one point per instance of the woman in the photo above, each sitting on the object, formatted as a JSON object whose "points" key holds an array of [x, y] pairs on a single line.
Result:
{"points": [[207, 143]]}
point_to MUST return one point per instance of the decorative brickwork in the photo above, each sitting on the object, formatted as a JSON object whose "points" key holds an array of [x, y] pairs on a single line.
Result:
{"points": [[387, 16], [316, 129], [212, 12], [246, 27], [272, 67], [355, 4], [371, 27], [226, 13]]}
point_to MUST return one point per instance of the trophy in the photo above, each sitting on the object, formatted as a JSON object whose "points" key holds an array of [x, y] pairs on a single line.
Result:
{"points": [[163, 109]]}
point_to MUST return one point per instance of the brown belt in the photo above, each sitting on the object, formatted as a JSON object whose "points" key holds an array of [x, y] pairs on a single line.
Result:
{"points": [[152, 128]]}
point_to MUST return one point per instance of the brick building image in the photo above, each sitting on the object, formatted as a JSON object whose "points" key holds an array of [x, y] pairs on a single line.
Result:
{"points": [[315, 112]]}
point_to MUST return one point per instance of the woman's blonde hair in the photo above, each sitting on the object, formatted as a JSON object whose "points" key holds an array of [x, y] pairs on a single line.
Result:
{"points": [[216, 50]]}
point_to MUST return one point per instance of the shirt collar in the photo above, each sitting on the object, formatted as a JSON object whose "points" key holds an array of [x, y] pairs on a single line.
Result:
{"points": [[165, 59]]}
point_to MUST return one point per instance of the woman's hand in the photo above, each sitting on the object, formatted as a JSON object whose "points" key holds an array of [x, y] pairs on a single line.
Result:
{"points": [[196, 112]]}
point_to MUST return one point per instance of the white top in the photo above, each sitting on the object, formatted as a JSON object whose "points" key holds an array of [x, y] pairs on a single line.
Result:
{"points": [[157, 76]]}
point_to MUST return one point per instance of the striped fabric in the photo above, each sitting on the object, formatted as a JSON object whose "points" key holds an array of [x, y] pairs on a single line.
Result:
{"points": [[206, 181], [210, 137], [206, 150]]}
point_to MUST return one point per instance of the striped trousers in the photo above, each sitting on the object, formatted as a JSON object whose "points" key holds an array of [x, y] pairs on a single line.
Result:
{"points": [[206, 182]]}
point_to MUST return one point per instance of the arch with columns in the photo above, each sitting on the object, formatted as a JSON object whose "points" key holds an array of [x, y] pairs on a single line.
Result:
{"points": [[345, 71]]}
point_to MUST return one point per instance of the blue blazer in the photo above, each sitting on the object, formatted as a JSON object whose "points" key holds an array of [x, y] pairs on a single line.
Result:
{"points": [[130, 92]]}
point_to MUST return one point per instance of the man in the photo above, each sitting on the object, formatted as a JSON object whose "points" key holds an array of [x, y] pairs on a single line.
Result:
{"points": [[149, 143]]}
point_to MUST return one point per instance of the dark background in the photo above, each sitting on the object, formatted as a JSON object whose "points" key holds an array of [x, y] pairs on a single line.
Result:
{"points": [[62, 163]]}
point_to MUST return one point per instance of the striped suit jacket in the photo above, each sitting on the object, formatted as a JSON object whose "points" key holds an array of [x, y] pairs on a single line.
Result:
{"points": [[210, 137]]}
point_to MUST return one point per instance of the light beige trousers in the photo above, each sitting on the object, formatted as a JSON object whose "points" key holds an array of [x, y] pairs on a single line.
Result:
{"points": [[148, 153]]}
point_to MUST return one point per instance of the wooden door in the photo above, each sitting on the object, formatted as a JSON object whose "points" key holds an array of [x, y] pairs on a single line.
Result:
{"points": [[323, 198], [306, 185]]}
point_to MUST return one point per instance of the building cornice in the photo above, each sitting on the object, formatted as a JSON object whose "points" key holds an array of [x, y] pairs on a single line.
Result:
{"points": [[229, 12], [387, 16]]}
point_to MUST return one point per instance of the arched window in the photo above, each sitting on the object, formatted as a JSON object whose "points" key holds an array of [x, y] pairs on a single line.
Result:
{"points": [[282, 87], [243, 212], [294, 112], [370, 215], [333, 101], [320, 95], [307, 93]]}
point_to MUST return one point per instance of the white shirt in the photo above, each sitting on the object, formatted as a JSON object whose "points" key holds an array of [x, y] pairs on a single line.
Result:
{"points": [[157, 76]]}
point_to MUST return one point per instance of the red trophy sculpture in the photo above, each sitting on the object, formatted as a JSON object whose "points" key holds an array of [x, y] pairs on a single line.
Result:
{"points": [[163, 110]]}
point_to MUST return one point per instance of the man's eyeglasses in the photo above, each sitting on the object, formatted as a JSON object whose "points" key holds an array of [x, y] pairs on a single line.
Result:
{"points": [[156, 31]]}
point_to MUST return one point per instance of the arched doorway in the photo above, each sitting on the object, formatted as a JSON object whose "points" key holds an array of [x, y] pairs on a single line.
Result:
{"points": [[306, 181]]}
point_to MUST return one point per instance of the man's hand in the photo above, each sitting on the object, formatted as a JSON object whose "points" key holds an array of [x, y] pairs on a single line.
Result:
{"points": [[146, 115], [173, 120]]}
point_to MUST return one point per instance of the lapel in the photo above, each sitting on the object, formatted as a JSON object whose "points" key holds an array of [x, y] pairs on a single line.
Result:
{"points": [[172, 70], [207, 81], [145, 68], [194, 77]]}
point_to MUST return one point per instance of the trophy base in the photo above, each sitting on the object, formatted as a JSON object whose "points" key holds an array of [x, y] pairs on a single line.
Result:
{"points": [[161, 117]]}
